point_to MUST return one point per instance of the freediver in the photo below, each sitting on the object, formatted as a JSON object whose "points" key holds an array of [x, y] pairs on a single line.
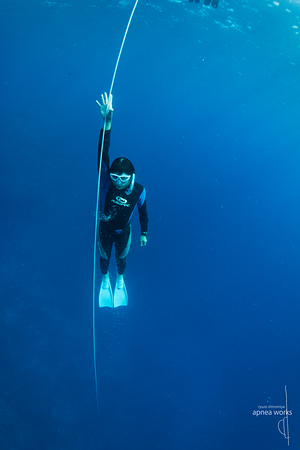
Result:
{"points": [[119, 195]]}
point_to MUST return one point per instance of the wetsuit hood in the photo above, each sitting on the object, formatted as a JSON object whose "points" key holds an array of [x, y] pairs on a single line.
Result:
{"points": [[123, 165]]}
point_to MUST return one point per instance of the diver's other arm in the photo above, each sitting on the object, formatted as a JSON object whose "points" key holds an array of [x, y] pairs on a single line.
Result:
{"points": [[106, 110], [143, 216], [143, 240]]}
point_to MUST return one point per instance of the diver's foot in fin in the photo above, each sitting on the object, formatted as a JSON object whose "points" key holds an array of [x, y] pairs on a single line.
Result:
{"points": [[120, 296], [105, 295]]}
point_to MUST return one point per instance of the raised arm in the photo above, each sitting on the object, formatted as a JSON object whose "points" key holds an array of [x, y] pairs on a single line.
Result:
{"points": [[106, 110]]}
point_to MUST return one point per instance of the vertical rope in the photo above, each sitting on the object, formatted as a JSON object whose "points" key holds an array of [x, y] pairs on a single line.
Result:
{"points": [[97, 214]]}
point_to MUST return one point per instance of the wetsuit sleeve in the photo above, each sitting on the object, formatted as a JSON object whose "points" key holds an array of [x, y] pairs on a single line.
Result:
{"points": [[105, 180], [143, 214]]}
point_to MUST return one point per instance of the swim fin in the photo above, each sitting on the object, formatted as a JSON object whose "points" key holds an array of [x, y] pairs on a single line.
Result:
{"points": [[105, 294], [120, 296], [214, 3]]}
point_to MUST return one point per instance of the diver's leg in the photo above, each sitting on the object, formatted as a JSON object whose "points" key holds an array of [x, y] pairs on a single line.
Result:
{"points": [[104, 243], [122, 245]]}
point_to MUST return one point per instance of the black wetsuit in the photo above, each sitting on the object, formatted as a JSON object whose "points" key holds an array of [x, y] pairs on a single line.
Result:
{"points": [[116, 209]]}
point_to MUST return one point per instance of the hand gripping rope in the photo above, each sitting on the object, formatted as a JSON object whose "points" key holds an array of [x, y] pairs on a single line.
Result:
{"points": [[97, 213]]}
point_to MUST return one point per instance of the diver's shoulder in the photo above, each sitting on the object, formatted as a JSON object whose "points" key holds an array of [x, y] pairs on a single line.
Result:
{"points": [[138, 187]]}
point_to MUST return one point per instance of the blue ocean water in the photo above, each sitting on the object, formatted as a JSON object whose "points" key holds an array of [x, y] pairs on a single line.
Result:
{"points": [[206, 105]]}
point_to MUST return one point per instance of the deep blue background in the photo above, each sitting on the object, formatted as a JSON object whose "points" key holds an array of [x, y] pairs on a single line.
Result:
{"points": [[207, 107]]}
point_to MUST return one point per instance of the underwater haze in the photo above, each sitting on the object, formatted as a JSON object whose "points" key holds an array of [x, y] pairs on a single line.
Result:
{"points": [[206, 105]]}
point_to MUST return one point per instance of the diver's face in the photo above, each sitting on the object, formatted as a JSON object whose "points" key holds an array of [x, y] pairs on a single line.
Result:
{"points": [[120, 181]]}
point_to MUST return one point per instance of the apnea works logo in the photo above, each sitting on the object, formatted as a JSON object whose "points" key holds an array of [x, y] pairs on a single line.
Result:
{"points": [[281, 412]]}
